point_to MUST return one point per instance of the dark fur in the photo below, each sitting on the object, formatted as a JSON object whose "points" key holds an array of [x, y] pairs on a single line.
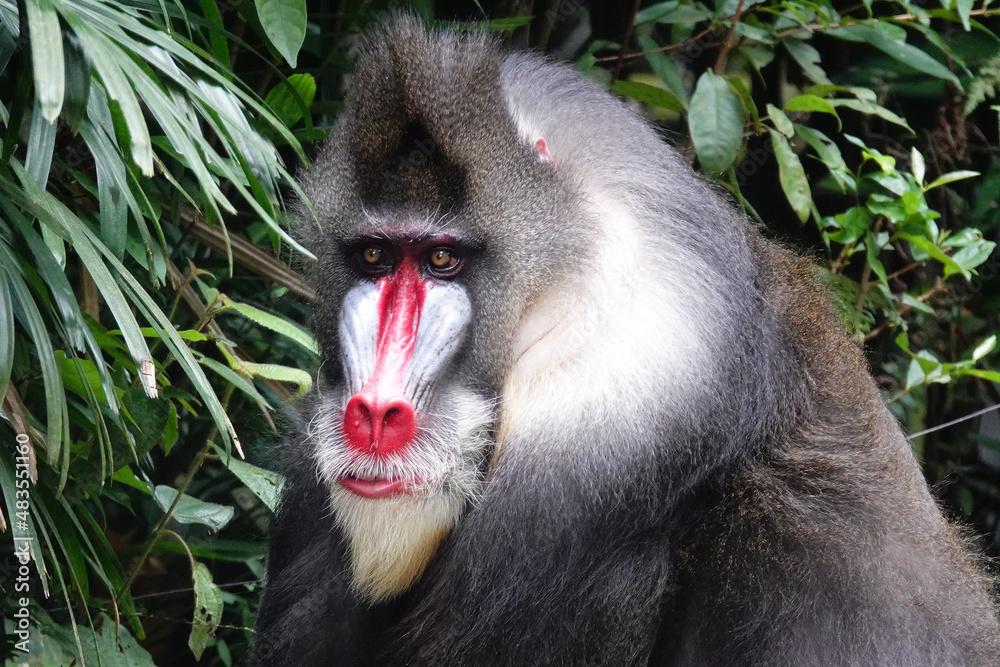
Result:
{"points": [[780, 520]]}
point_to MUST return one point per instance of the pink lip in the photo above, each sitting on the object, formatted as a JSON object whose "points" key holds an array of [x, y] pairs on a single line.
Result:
{"points": [[376, 488]]}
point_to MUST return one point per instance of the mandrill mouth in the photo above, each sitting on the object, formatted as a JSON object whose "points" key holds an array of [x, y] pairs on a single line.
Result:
{"points": [[378, 487]]}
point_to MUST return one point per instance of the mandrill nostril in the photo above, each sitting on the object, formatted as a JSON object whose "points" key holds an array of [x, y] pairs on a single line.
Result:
{"points": [[379, 426], [399, 423]]}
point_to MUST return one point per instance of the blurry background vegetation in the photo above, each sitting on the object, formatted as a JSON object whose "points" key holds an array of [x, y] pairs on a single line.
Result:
{"points": [[152, 330]]}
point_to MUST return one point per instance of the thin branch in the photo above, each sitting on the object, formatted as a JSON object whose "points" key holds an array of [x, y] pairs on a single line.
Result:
{"points": [[923, 298], [967, 417], [165, 519], [864, 286], [728, 44], [549, 17], [625, 40], [905, 269], [247, 255], [664, 49], [187, 549]]}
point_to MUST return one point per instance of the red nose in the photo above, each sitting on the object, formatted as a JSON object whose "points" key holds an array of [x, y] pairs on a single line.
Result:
{"points": [[379, 426]]}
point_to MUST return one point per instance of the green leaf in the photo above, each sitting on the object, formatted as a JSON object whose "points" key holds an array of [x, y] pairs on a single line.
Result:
{"points": [[111, 203], [230, 376], [758, 55], [950, 266], [746, 99], [279, 374], [29, 530], [990, 376], [648, 94], [113, 646], [171, 431], [984, 348], [951, 177], [207, 610], [674, 12], [57, 421], [140, 298], [125, 475], [291, 99], [872, 249], [65, 537], [80, 376], [808, 59], [792, 176], [284, 23], [964, 8], [265, 484], [872, 109], [754, 34], [878, 36], [46, 56], [915, 375], [664, 68], [852, 224], [916, 304], [496, 25], [54, 214], [6, 332], [811, 104], [917, 165], [41, 141], [78, 73], [110, 568], [716, 123], [274, 323], [107, 57], [964, 237], [654, 12], [828, 154], [78, 333], [192, 510], [902, 340], [216, 33], [780, 120], [972, 256], [186, 334]]}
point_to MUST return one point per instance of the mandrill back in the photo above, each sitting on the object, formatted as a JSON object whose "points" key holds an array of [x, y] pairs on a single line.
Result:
{"points": [[575, 410]]}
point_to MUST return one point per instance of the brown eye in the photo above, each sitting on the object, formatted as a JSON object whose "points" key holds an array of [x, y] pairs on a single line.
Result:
{"points": [[372, 260], [442, 260]]}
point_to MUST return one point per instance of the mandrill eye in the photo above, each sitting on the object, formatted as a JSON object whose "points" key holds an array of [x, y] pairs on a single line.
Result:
{"points": [[372, 259], [443, 262]]}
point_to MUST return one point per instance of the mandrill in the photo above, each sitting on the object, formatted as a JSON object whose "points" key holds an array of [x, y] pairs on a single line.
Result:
{"points": [[575, 410]]}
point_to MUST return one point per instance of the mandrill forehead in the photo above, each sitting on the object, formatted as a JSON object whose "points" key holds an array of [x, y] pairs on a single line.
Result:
{"points": [[411, 228]]}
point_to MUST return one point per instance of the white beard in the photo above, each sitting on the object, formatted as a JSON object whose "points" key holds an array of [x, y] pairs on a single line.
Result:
{"points": [[391, 540]]}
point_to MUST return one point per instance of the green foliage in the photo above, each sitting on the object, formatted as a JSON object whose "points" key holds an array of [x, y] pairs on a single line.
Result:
{"points": [[145, 306], [125, 133]]}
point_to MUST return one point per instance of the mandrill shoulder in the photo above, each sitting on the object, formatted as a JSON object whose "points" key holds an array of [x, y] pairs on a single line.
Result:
{"points": [[791, 284]]}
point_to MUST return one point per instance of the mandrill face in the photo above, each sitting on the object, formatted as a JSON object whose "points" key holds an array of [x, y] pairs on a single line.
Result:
{"points": [[401, 450]]}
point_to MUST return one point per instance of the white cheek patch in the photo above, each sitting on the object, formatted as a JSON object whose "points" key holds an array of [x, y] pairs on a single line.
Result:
{"points": [[358, 335], [444, 319]]}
